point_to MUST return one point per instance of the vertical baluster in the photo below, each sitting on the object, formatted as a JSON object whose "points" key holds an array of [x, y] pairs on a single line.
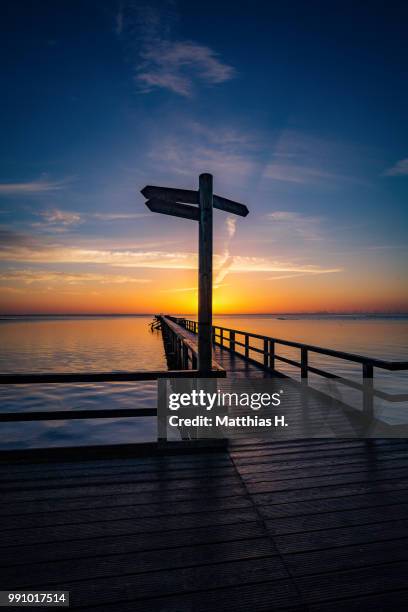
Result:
{"points": [[221, 336], [303, 362], [246, 346], [272, 354], [368, 387], [265, 354], [232, 341]]}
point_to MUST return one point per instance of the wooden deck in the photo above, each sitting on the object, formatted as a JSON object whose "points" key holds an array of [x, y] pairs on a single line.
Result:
{"points": [[306, 525], [312, 525]]}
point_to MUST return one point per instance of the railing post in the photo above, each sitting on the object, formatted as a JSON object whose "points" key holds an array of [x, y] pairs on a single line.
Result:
{"points": [[232, 341], [161, 410], [221, 336], [246, 346], [265, 354], [368, 387], [303, 362], [272, 354], [185, 356]]}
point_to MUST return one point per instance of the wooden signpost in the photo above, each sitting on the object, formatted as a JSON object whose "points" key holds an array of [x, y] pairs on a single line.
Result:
{"points": [[175, 202]]}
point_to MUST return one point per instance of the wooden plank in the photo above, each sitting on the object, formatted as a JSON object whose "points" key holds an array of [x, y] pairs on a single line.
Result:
{"points": [[338, 518], [160, 495], [197, 484], [288, 472], [268, 596], [347, 557], [120, 577], [343, 536], [120, 544], [209, 582], [329, 491], [364, 581], [173, 208], [368, 446], [396, 601], [128, 477], [319, 481], [270, 465], [46, 515], [69, 532], [104, 566], [305, 508]]}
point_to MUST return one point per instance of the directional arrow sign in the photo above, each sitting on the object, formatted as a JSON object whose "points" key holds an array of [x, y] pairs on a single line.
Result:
{"points": [[173, 208], [191, 197]]}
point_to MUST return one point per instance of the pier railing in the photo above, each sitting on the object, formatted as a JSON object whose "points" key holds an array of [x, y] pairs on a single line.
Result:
{"points": [[242, 343]]}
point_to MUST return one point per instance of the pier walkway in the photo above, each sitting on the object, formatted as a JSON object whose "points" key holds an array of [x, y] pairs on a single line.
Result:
{"points": [[315, 525], [303, 525]]}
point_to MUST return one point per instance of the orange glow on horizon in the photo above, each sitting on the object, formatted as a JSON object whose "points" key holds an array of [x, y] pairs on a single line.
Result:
{"points": [[240, 294]]}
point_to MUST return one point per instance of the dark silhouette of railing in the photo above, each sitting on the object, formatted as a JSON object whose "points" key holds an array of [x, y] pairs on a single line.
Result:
{"points": [[229, 339]]}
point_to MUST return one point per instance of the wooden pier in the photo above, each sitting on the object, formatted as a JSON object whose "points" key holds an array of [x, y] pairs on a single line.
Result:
{"points": [[318, 525]]}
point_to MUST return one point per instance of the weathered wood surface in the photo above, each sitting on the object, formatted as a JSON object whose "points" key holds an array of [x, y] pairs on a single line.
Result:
{"points": [[315, 525]]}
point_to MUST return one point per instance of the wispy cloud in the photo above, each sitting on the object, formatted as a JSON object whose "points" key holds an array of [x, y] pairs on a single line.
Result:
{"points": [[162, 62], [310, 272], [31, 188], [117, 216], [302, 158], [60, 217], [399, 169], [178, 65], [289, 225], [29, 277], [62, 220], [190, 148], [295, 173], [29, 252]]}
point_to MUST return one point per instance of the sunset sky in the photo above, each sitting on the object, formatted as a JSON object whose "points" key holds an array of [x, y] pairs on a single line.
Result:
{"points": [[299, 109]]}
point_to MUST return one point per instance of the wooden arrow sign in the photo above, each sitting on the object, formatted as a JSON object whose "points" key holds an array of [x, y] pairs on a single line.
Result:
{"points": [[188, 196], [173, 208], [176, 202]]}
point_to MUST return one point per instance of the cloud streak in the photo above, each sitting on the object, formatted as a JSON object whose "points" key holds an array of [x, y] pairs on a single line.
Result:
{"points": [[159, 60], [29, 252], [28, 277], [31, 188], [178, 65], [399, 169]]}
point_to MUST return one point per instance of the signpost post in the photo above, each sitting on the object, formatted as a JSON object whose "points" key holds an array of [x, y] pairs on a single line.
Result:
{"points": [[167, 201]]}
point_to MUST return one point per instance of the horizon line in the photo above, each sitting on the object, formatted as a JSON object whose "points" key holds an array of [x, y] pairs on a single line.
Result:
{"points": [[243, 314]]}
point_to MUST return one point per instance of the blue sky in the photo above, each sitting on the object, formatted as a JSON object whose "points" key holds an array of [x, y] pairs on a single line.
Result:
{"points": [[299, 110]]}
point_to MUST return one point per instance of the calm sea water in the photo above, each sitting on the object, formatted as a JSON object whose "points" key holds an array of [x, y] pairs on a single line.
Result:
{"points": [[68, 344]]}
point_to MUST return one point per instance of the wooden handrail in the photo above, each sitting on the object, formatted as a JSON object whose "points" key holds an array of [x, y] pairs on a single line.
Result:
{"points": [[269, 358], [378, 363]]}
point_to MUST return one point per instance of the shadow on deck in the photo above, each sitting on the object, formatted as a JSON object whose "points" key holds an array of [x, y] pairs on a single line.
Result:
{"points": [[318, 525], [303, 525]]}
